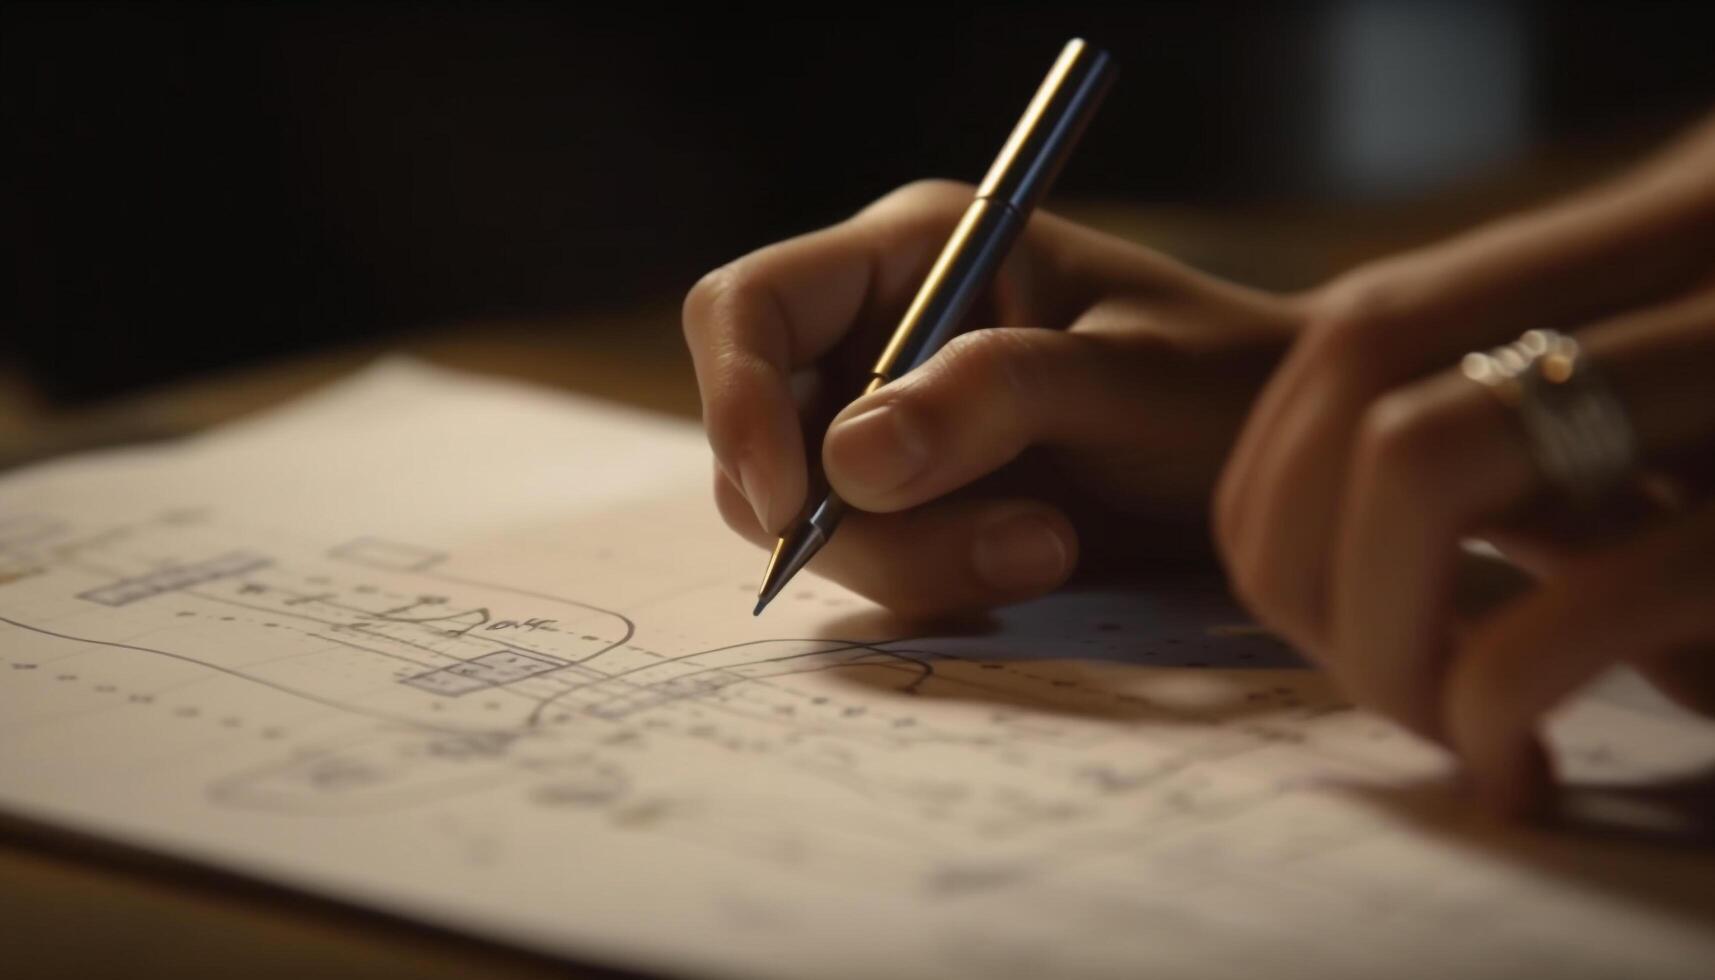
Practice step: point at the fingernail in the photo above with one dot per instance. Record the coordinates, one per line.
(756, 491)
(878, 451)
(1021, 554)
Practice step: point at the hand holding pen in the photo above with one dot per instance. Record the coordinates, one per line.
(1095, 378)
(1095, 402)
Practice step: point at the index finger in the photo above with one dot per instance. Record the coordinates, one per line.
(750, 323)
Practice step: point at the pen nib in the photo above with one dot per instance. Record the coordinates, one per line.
(791, 553)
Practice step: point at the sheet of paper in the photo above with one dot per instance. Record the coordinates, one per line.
(483, 656)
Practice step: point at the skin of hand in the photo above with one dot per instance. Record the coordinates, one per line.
(1368, 460)
(1085, 424)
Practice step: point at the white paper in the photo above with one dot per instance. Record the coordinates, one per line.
(483, 656)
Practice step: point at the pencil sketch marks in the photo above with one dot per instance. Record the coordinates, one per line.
(174, 579)
(387, 555)
(516, 693)
(444, 686)
(455, 727)
(489, 670)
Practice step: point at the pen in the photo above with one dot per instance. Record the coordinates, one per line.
(1016, 181)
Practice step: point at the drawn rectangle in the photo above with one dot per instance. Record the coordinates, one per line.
(172, 579)
(489, 670)
(447, 683)
(390, 555)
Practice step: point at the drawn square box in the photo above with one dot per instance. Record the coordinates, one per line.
(447, 683)
(389, 555)
(506, 666)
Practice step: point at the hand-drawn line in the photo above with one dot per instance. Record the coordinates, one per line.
(629, 631)
(682, 686)
(387, 555)
(332, 624)
(379, 653)
(480, 613)
(630, 627)
(497, 670)
(253, 607)
(422, 559)
(174, 579)
(361, 628)
(875, 649)
(874, 652)
(535, 716)
(372, 772)
(490, 645)
(468, 631)
(281, 688)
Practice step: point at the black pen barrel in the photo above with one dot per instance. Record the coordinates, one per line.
(1027, 165)
(1020, 176)
(1049, 129)
(963, 270)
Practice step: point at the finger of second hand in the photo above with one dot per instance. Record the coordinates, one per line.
(1430, 462)
(1435, 459)
(1237, 480)
(1655, 593)
(1388, 323)
(1282, 556)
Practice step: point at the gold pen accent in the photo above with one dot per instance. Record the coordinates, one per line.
(956, 248)
(1028, 162)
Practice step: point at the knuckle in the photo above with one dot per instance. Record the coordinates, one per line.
(990, 362)
(1352, 325)
(705, 299)
(928, 193)
(987, 354)
(1399, 440)
(1369, 295)
(733, 312)
(926, 207)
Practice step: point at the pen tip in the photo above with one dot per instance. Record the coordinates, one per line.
(791, 553)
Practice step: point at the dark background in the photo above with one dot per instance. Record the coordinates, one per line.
(192, 186)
